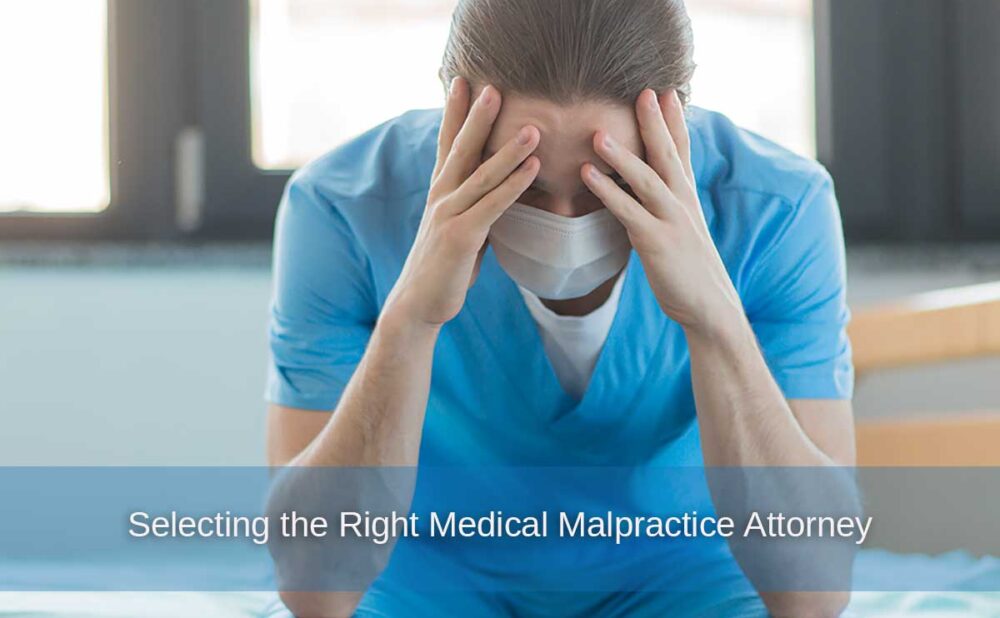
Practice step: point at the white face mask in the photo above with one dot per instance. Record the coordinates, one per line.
(559, 258)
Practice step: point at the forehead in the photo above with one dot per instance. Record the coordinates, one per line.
(567, 131)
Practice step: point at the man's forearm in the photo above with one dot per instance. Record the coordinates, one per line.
(373, 437)
(743, 416)
(746, 422)
(379, 421)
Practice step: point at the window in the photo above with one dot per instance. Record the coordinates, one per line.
(325, 71)
(181, 119)
(53, 113)
(322, 71)
(756, 64)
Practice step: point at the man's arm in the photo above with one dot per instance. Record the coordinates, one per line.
(380, 418)
(290, 431)
(744, 418)
(745, 421)
(378, 422)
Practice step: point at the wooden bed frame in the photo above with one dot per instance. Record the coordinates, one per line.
(929, 328)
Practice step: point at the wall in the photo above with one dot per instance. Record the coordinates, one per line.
(122, 365)
(159, 357)
(160, 360)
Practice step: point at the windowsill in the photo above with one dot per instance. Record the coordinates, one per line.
(134, 255)
(929, 257)
(982, 260)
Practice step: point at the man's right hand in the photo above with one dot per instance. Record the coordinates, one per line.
(467, 196)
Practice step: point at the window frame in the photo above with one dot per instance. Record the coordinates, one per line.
(899, 121)
(145, 38)
(241, 199)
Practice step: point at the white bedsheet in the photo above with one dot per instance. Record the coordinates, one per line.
(267, 605)
(140, 605)
(969, 586)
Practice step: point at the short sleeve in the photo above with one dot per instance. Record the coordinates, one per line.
(797, 301)
(323, 309)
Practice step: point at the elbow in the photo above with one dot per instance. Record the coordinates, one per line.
(807, 604)
(321, 604)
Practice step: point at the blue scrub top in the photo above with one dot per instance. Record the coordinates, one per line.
(345, 227)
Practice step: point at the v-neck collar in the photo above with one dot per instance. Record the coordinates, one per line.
(502, 319)
(628, 353)
(497, 312)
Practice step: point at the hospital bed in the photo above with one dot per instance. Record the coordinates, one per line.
(937, 327)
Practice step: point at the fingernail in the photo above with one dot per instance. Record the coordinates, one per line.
(524, 136)
(453, 86)
(487, 96)
(609, 143)
(654, 102)
(592, 173)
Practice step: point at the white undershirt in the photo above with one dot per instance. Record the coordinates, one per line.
(574, 343)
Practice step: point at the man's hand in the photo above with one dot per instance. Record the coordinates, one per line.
(466, 198)
(663, 216)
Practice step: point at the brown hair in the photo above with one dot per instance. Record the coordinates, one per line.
(571, 50)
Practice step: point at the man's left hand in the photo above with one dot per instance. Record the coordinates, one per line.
(663, 216)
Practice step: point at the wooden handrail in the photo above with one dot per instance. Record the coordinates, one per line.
(958, 440)
(937, 326)
(934, 327)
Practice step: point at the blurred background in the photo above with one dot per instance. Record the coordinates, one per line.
(144, 145)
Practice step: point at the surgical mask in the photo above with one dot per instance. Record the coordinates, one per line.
(559, 258)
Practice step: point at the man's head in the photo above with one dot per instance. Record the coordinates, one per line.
(570, 68)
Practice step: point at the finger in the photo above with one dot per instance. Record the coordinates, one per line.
(467, 151)
(622, 205)
(456, 110)
(485, 213)
(673, 114)
(661, 150)
(649, 187)
(493, 172)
